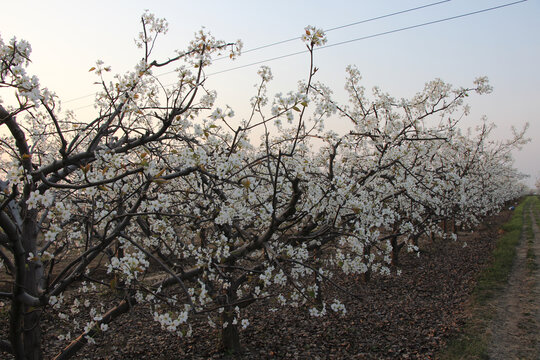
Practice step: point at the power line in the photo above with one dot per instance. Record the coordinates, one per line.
(423, 24)
(373, 36)
(345, 26)
(364, 38)
(299, 37)
(328, 30)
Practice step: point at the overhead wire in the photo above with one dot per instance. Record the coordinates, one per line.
(343, 26)
(372, 36)
(360, 38)
(298, 37)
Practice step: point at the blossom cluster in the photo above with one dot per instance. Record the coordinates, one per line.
(189, 215)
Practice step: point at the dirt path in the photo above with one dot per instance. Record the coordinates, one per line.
(515, 330)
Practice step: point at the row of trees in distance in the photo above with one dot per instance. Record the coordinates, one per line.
(170, 203)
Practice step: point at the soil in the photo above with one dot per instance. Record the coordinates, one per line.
(515, 329)
(410, 316)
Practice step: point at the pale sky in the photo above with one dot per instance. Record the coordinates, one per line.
(67, 38)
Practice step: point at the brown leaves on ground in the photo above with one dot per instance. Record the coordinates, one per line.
(407, 317)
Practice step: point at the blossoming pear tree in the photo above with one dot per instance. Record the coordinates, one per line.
(166, 202)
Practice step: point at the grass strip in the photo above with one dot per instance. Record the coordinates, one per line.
(534, 214)
(536, 209)
(473, 342)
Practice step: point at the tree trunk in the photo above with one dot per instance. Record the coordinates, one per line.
(454, 226)
(25, 329)
(230, 337)
(33, 285)
(318, 294)
(445, 225)
(32, 334)
(395, 250)
(367, 275)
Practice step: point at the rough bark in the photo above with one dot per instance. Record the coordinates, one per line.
(230, 337)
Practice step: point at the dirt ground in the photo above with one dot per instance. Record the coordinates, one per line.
(515, 329)
(410, 316)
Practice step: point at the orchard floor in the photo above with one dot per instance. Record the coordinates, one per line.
(410, 316)
(515, 329)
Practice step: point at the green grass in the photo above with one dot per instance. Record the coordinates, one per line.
(473, 342)
(494, 278)
(536, 209)
(532, 265)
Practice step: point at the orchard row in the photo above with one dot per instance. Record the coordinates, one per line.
(187, 214)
